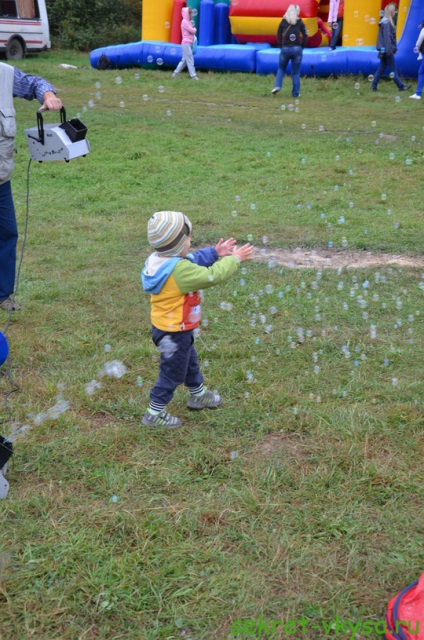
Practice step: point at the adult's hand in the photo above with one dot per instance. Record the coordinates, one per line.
(51, 102)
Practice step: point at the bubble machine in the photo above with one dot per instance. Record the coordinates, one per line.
(63, 141)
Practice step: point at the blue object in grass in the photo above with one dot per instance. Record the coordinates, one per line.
(4, 349)
(195, 46)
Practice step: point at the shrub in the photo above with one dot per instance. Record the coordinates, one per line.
(75, 24)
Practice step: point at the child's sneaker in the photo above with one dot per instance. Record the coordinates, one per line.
(208, 400)
(162, 419)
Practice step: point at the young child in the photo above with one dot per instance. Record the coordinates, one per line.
(173, 277)
(188, 33)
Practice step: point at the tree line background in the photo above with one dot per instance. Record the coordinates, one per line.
(82, 25)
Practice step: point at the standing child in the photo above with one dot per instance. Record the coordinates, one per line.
(188, 32)
(173, 277)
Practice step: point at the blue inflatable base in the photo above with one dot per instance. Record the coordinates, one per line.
(252, 57)
(152, 54)
(343, 60)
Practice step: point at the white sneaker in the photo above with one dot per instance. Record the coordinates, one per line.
(175, 75)
(415, 97)
(275, 90)
(194, 78)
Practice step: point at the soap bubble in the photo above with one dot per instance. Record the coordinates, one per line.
(115, 369)
(391, 75)
(139, 381)
(161, 89)
(145, 97)
(136, 75)
(334, 25)
(391, 156)
(292, 37)
(122, 104)
(167, 347)
(168, 112)
(159, 61)
(370, 78)
(167, 25)
(91, 387)
(283, 107)
(97, 85)
(397, 99)
(149, 59)
(118, 80)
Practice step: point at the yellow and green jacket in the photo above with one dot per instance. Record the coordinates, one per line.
(174, 283)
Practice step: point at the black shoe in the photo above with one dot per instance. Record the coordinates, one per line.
(406, 87)
(374, 89)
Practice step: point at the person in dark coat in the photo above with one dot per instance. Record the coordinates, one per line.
(387, 48)
(292, 37)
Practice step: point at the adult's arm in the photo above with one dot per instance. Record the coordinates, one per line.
(32, 87)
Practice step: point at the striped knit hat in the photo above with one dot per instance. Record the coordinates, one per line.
(167, 232)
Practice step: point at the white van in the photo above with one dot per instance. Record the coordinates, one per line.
(24, 27)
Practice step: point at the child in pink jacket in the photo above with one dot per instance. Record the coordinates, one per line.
(188, 34)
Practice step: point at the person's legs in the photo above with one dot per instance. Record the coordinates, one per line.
(296, 61)
(381, 69)
(282, 65)
(175, 351)
(188, 54)
(8, 240)
(420, 86)
(194, 378)
(335, 32)
(393, 70)
(182, 64)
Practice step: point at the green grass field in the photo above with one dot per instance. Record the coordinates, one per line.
(301, 497)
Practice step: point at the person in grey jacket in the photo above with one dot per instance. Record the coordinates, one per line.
(14, 83)
(387, 47)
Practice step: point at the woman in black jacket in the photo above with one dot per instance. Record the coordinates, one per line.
(387, 47)
(292, 37)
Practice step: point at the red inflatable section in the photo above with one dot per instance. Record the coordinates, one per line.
(243, 12)
(175, 36)
(272, 8)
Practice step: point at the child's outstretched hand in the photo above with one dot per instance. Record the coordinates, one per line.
(225, 248)
(244, 253)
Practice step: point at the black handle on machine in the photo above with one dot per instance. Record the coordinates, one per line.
(40, 123)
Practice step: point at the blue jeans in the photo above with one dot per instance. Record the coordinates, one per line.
(335, 33)
(8, 240)
(420, 79)
(387, 61)
(182, 367)
(295, 55)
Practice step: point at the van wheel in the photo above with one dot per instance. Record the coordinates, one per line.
(14, 50)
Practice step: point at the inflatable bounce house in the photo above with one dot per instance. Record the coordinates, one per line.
(241, 36)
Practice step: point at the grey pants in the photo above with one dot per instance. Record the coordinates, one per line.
(187, 61)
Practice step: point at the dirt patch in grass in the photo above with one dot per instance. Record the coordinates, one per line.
(333, 259)
(279, 442)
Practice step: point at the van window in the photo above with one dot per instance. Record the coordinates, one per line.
(8, 9)
(28, 8)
